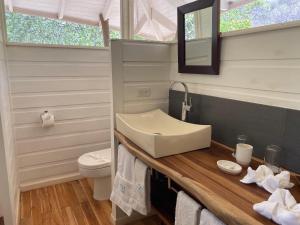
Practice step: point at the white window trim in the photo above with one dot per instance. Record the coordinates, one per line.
(55, 46)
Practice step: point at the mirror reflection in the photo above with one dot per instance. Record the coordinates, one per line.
(198, 37)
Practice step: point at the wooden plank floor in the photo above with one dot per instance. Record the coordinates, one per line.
(69, 203)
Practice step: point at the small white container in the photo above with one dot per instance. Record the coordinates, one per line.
(243, 154)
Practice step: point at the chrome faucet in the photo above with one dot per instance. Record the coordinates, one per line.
(186, 106)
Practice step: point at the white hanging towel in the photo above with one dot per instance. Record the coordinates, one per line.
(140, 200)
(207, 218)
(187, 210)
(123, 187)
(281, 207)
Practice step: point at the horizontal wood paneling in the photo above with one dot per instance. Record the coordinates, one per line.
(276, 44)
(23, 116)
(63, 85)
(58, 69)
(55, 169)
(145, 52)
(61, 154)
(140, 71)
(261, 67)
(144, 106)
(65, 127)
(143, 65)
(257, 75)
(44, 100)
(74, 85)
(159, 90)
(44, 54)
(60, 141)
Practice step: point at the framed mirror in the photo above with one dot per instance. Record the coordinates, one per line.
(198, 37)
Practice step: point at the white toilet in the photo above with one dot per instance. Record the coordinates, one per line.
(96, 165)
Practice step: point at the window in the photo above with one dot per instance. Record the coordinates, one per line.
(39, 30)
(153, 19)
(244, 14)
(190, 29)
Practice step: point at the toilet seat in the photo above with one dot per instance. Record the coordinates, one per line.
(95, 160)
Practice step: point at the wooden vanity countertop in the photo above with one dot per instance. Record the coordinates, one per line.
(197, 173)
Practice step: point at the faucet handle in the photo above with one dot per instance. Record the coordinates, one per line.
(188, 105)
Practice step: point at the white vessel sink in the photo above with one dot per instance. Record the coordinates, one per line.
(161, 135)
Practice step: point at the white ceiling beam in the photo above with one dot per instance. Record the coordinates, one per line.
(106, 12)
(164, 21)
(61, 10)
(10, 5)
(148, 12)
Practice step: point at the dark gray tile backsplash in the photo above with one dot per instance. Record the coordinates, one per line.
(262, 124)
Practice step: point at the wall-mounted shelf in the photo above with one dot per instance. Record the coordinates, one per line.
(197, 173)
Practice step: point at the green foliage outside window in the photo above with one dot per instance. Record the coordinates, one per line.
(238, 18)
(189, 24)
(39, 30)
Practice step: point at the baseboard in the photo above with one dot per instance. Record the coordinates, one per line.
(49, 181)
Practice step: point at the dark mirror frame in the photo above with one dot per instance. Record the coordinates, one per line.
(213, 69)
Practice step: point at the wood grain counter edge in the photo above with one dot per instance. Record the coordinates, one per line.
(223, 209)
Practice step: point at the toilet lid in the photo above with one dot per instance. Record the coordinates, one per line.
(95, 160)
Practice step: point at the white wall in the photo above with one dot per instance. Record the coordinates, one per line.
(74, 85)
(9, 196)
(261, 67)
(138, 67)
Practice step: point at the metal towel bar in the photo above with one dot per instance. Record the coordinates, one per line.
(170, 186)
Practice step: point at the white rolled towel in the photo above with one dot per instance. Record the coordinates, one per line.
(281, 207)
(264, 177)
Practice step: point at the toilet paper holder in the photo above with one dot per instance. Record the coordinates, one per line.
(47, 119)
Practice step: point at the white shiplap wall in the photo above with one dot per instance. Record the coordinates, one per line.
(262, 67)
(74, 85)
(9, 183)
(143, 65)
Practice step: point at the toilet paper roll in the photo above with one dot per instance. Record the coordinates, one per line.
(47, 119)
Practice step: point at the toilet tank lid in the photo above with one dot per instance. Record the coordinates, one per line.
(96, 159)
